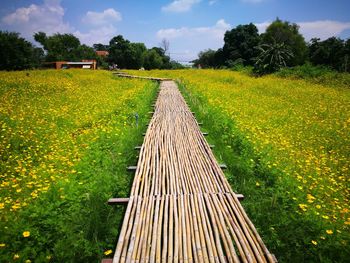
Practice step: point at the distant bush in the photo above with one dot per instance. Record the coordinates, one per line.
(316, 74)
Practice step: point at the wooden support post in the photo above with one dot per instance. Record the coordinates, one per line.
(131, 168)
(212, 146)
(205, 133)
(137, 147)
(223, 166)
(200, 123)
(107, 260)
(240, 197)
(117, 201)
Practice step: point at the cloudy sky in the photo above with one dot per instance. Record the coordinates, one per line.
(189, 25)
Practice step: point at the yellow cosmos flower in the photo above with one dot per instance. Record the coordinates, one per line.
(108, 252)
(26, 234)
(329, 232)
(2, 244)
(314, 242)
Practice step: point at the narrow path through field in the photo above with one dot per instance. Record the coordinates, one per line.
(181, 207)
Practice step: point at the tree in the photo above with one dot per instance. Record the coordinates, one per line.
(332, 52)
(59, 46)
(206, 59)
(346, 64)
(126, 54)
(153, 60)
(272, 57)
(16, 53)
(240, 45)
(100, 47)
(283, 32)
(165, 44)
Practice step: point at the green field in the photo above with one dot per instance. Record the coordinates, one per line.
(67, 136)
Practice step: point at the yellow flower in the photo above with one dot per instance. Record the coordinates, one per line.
(28, 261)
(2, 244)
(329, 232)
(314, 242)
(108, 252)
(257, 184)
(303, 207)
(16, 256)
(26, 234)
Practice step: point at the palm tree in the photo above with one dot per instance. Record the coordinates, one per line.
(272, 57)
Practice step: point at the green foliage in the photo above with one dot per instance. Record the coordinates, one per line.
(129, 55)
(316, 74)
(153, 60)
(272, 58)
(333, 52)
(240, 45)
(175, 65)
(16, 53)
(284, 32)
(206, 59)
(64, 47)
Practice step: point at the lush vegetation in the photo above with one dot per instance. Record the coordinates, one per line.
(66, 138)
(286, 144)
(280, 46)
(17, 54)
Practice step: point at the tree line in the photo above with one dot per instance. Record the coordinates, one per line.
(16, 53)
(280, 46)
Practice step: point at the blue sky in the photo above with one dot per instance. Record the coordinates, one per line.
(189, 25)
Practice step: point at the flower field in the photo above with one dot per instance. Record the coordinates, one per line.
(299, 130)
(67, 136)
(49, 123)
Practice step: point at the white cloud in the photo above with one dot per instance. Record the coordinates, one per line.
(190, 40)
(212, 2)
(179, 6)
(47, 17)
(108, 16)
(322, 29)
(262, 26)
(99, 35)
(215, 32)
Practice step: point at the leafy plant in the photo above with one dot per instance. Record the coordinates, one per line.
(272, 57)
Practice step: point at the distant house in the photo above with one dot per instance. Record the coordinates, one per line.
(102, 53)
(84, 64)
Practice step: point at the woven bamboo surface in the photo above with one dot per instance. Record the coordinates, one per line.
(181, 207)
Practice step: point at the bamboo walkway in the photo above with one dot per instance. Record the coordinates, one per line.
(181, 207)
